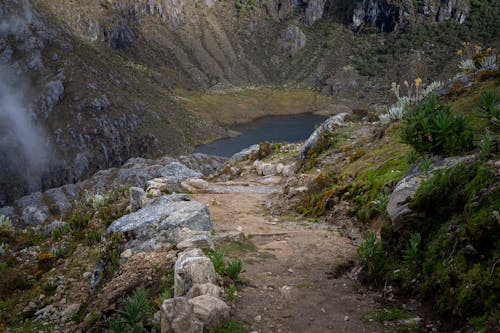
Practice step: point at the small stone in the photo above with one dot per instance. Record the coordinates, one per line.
(86, 275)
(258, 318)
(239, 228)
(346, 318)
(126, 254)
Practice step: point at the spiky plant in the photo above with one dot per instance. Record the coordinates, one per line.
(234, 269)
(5, 222)
(489, 103)
(467, 65)
(131, 319)
(488, 63)
(217, 258)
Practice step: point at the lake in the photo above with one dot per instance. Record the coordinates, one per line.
(272, 128)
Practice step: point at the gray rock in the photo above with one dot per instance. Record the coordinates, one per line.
(206, 164)
(210, 310)
(295, 40)
(268, 169)
(119, 36)
(61, 200)
(328, 125)
(397, 207)
(204, 289)
(8, 211)
(70, 310)
(177, 316)
(228, 236)
(203, 241)
(192, 267)
(158, 222)
(49, 228)
(33, 210)
(194, 185)
(245, 153)
(314, 11)
(289, 170)
(53, 94)
(137, 195)
(179, 171)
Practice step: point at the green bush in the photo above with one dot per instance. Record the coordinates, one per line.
(371, 254)
(450, 256)
(432, 128)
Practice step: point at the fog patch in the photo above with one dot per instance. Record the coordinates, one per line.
(23, 148)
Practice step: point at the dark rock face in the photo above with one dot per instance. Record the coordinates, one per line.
(119, 37)
(314, 11)
(389, 16)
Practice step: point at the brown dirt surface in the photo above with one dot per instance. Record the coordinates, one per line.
(290, 282)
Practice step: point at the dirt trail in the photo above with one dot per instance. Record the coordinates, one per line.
(290, 263)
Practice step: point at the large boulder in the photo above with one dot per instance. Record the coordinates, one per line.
(33, 210)
(183, 315)
(158, 223)
(192, 267)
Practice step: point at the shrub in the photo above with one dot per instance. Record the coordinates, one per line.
(450, 257)
(370, 254)
(432, 128)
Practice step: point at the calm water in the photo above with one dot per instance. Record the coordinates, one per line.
(273, 129)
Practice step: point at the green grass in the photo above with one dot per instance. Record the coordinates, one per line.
(233, 107)
(388, 314)
(231, 327)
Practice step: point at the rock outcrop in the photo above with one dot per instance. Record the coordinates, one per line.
(314, 11)
(327, 126)
(295, 40)
(137, 173)
(158, 224)
(397, 207)
(389, 16)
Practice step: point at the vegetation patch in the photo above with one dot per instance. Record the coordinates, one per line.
(451, 256)
(229, 108)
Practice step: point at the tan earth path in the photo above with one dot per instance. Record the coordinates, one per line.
(289, 261)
